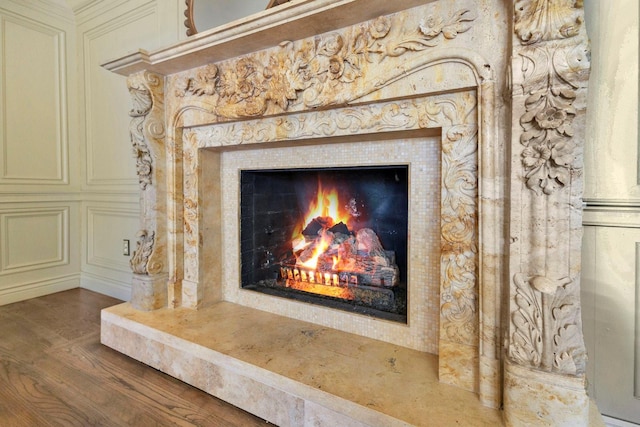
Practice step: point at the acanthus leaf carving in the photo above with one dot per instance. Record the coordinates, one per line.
(526, 340)
(459, 251)
(147, 121)
(142, 104)
(144, 247)
(314, 71)
(545, 333)
(414, 114)
(543, 20)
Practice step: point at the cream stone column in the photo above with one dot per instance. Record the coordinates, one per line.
(147, 130)
(545, 362)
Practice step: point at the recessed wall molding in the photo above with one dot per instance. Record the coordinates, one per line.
(45, 7)
(103, 248)
(612, 216)
(34, 239)
(39, 197)
(34, 67)
(104, 145)
(86, 10)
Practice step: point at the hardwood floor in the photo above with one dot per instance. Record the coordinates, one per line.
(55, 372)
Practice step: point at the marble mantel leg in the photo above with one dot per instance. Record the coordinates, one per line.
(544, 376)
(147, 130)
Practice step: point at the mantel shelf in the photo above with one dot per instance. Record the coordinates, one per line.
(291, 21)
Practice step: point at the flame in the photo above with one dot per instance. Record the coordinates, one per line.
(320, 248)
(326, 205)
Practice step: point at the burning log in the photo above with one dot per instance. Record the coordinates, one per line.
(369, 244)
(316, 225)
(360, 256)
(340, 228)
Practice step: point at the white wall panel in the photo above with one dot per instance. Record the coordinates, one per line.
(612, 217)
(40, 248)
(104, 267)
(34, 239)
(611, 292)
(611, 152)
(109, 159)
(106, 230)
(34, 110)
(109, 29)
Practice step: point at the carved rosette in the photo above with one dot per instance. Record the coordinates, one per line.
(547, 123)
(314, 73)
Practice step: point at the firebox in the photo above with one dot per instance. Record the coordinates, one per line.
(330, 236)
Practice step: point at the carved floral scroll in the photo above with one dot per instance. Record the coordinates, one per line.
(550, 84)
(142, 104)
(553, 70)
(314, 74)
(147, 130)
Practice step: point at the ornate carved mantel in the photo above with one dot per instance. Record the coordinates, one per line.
(550, 72)
(510, 227)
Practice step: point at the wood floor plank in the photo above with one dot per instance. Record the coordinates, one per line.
(32, 391)
(55, 372)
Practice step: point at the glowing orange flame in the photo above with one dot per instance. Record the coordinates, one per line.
(326, 204)
(320, 248)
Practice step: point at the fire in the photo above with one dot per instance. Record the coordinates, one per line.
(319, 249)
(326, 206)
(333, 256)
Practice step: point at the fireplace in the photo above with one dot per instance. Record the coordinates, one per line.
(409, 98)
(375, 162)
(327, 236)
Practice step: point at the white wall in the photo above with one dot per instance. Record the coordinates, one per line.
(39, 144)
(611, 246)
(68, 189)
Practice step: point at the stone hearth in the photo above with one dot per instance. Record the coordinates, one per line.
(490, 125)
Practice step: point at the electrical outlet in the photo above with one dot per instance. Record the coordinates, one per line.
(126, 250)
